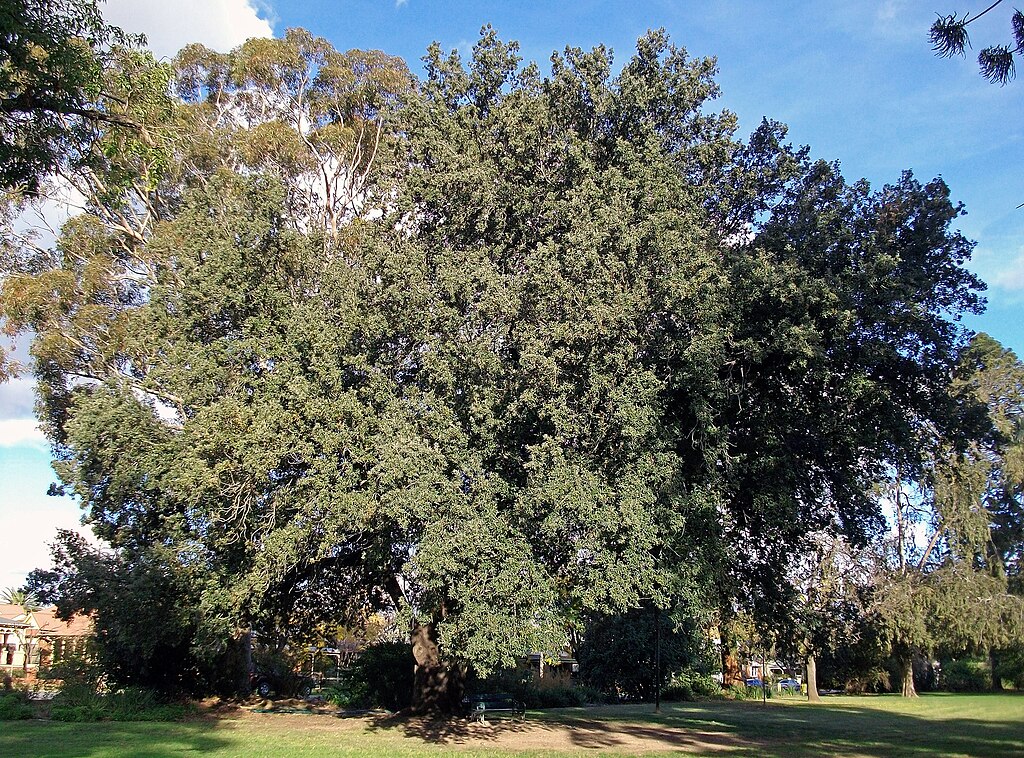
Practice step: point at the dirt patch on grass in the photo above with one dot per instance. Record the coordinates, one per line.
(570, 734)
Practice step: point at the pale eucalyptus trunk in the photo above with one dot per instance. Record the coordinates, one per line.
(812, 679)
(907, 677)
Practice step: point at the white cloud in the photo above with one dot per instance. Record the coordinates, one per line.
(1012, 277)
(400, 3)
(172, 24)
(20, 432)
(16, 398)
(29, 547)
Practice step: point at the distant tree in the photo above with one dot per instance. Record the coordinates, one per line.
(944, 585)
(146, 608)
(830, 577)
(949, 37)
(994, 375)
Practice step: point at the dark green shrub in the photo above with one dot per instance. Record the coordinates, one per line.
(77, 693)
(78, 703)
(522, 684)
(591, 695)
(965, 675)
(618, 653)
(678, 691)
(1010, 666)
(15, 706)
(79, 675)
(742, 692)
(688, 685)
(78, 713)
(560, 696)
(381, 677)
(142, 704)
(131, 701)
(347, 693)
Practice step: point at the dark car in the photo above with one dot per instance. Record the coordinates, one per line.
(266, 682)
(789, 685)
(754, 682)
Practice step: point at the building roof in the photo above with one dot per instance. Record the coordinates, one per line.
(11, 623)
(44, 622)
(50, 626)
(12, 611)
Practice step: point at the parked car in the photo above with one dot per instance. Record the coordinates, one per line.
(789, 685)
(754, 682)
(265, 682)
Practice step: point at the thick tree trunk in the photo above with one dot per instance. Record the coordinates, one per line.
(438, 686)
(812, 679)
(907, 675)
(993, 666)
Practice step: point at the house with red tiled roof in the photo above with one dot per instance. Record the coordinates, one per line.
(30, 639)
(12, 639)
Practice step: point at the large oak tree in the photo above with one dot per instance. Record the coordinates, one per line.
(494, 351)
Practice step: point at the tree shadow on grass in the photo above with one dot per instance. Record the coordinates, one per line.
(566, 732)
(610, 735)
(734, 728)
(846, 730)
(51, 739)
(447, 731)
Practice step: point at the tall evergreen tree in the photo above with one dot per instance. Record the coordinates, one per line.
(497, 352)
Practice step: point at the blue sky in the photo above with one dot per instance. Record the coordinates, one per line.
(854, 80)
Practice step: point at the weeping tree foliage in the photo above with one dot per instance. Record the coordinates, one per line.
(957, 533)
(495, 352)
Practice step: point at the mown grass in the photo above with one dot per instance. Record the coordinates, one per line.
(935, 724)
(946, 725)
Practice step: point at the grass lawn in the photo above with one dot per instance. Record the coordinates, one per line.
(940, 724)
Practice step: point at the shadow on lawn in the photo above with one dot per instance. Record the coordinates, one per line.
(844, 730)
(50, 739)
(580, 732)
(609, 735)
(741, 729)
(447, 731)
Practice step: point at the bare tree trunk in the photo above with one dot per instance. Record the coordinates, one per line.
(812, 679)
(438, 687)
(907, 675)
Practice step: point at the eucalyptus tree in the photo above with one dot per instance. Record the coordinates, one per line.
(297, 109)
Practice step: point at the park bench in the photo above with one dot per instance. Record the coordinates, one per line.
(479, 707)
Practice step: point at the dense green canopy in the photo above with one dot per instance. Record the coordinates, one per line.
(494, 350)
